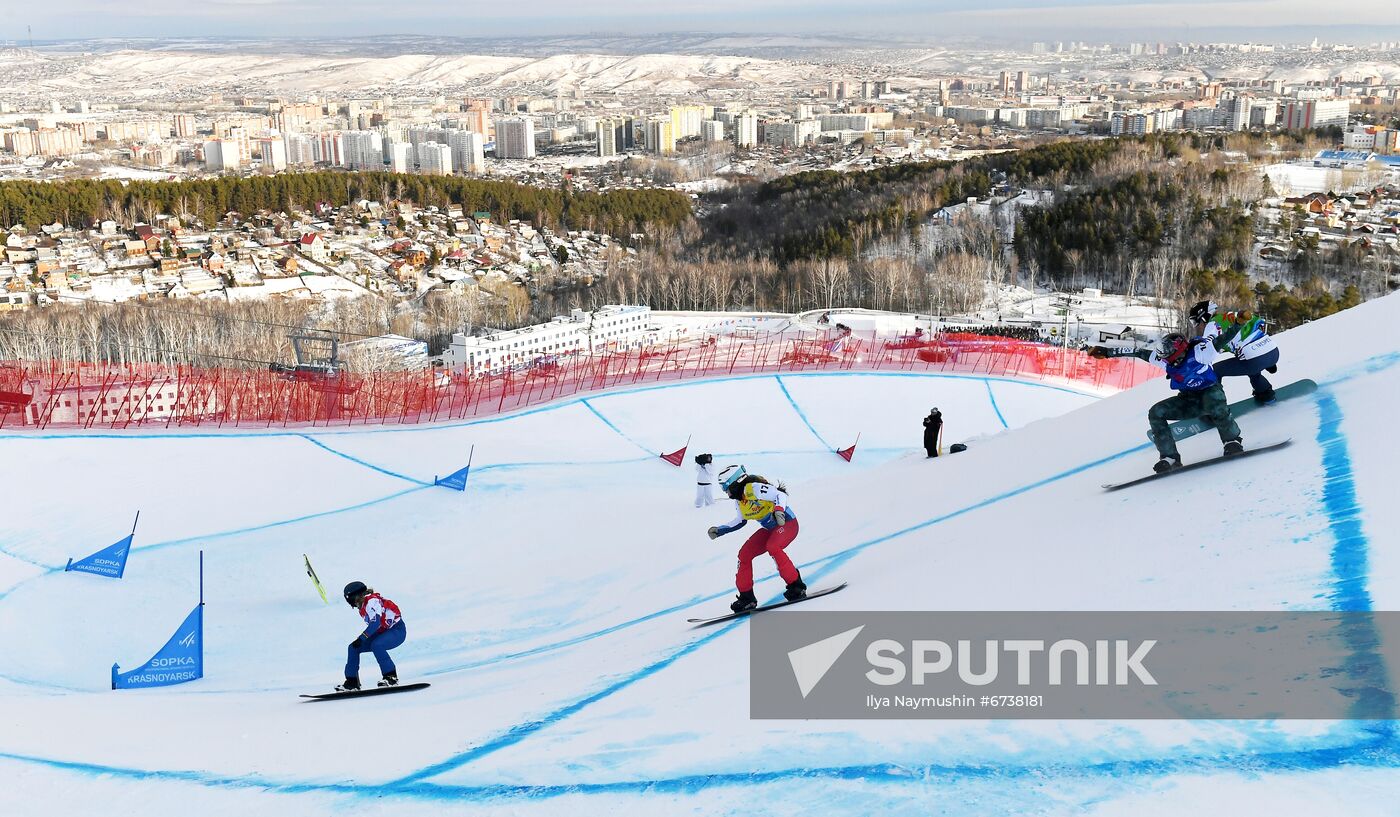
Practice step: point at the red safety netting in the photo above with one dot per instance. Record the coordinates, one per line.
(112, 396)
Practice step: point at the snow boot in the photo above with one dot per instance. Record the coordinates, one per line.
(746, 601)
(1265, 398)
(390, 679)
(796, 590)
(1235, 447)
(1166, 464)
(350, 685)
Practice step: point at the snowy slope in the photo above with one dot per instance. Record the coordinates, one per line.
(143, 71)
(546, 603)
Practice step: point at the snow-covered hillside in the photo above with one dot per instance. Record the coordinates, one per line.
(664, 66)
(148, 71)
(546, 604)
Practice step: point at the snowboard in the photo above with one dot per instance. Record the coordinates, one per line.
(360, 693)
(1181, 429)
(705, 622)
(1249, 452)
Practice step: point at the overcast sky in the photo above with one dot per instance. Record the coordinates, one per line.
(928, 19)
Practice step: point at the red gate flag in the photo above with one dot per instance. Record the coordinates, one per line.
(677, 457)
(847, 453)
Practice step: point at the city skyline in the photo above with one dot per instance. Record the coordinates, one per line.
(931, 20)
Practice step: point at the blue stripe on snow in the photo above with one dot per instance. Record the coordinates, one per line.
(801, 414)
(358, 461)
(235, 532)
(992, 397)
(1350, 562)
(521, 731)
(620, 432)
(1349, 551)
(1375, 750)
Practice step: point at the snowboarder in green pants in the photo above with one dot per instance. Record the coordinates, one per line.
(1198, 394)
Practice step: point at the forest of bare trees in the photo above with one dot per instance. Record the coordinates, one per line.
(245, 334)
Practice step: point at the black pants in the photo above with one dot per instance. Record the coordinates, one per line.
(1254, 368)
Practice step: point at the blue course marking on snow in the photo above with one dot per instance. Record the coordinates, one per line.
(801, 415)
(22, 558)
(578, 639)
(1376, 751)
(1349, 551)
(992, 397)
(358, 461)
(1350, 563)
(609, 424)
(1371, 365)
(521, 731)
(203, 537)
(49, 569)
(513, 466)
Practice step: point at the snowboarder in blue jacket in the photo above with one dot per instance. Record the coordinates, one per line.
(1198, 394)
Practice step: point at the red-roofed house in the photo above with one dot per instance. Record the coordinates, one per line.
(315, 247)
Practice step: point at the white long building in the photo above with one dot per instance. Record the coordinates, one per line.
(611, 328)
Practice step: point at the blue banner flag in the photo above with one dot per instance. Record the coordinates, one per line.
(457, 480)
(109, 561)
(180, 660)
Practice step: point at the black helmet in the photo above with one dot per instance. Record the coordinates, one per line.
(353, 591)
(1174, 348)
(703, 459)
(1203, 311)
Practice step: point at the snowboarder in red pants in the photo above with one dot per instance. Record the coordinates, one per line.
(766, 504)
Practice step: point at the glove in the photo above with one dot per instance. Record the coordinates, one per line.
(358, 642)
(714, 533)
(779, 516)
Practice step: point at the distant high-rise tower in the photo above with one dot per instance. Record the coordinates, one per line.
(607, 138)
(400, 156)
(746, 130)
(183, 126)
(222, 154)
(468, 151)
(660, 137)
(364, 150)
(515, 138)
(435, 158)
(273, 152)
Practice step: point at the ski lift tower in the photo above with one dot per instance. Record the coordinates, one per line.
(317, 354)
(1064, 302)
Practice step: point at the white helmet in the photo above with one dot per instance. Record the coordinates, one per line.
(730, 475)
